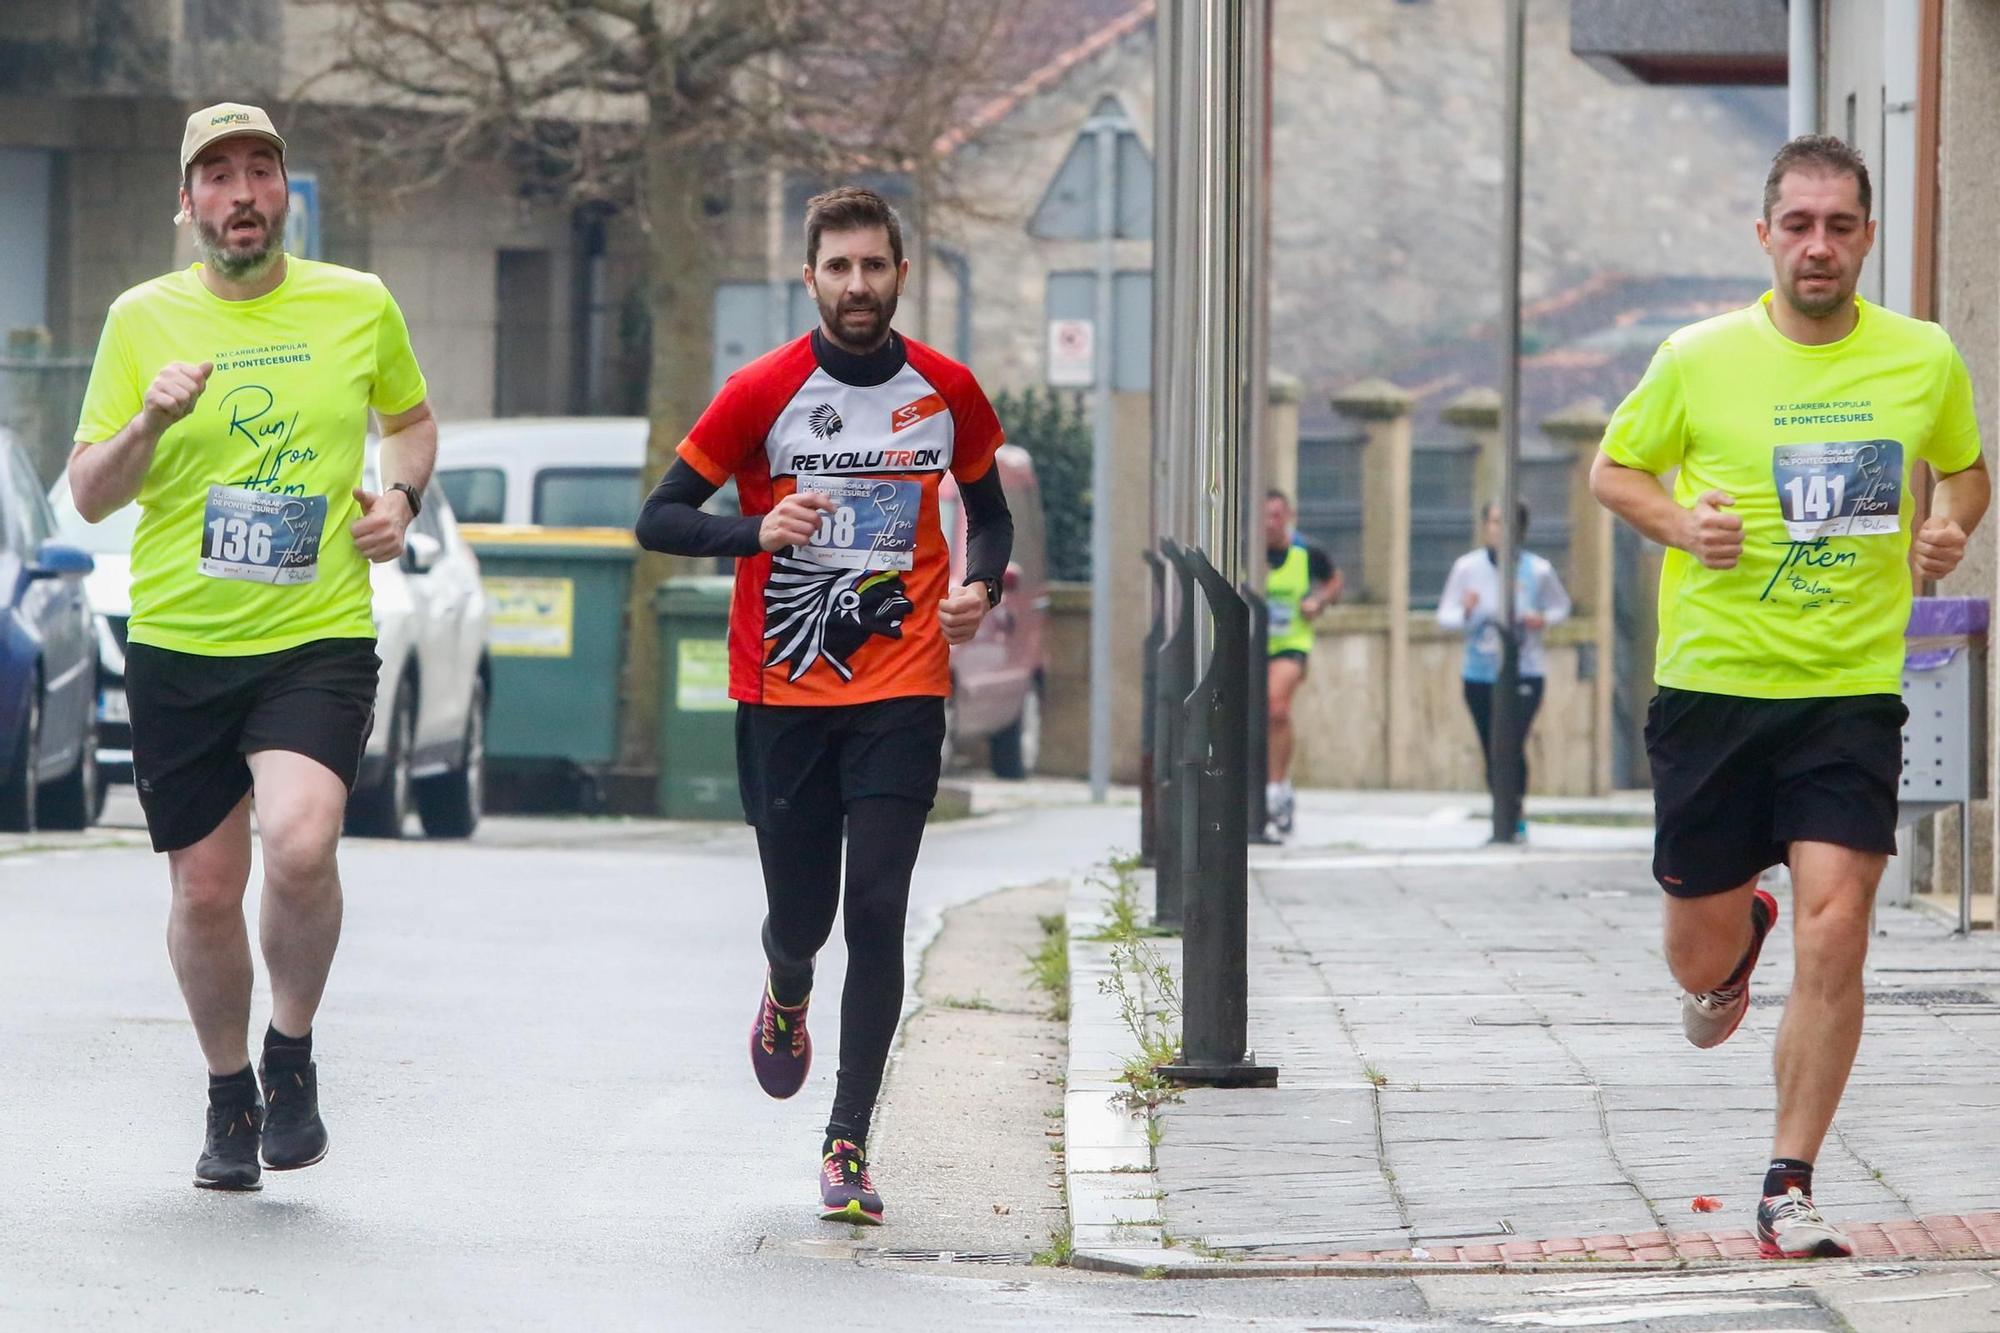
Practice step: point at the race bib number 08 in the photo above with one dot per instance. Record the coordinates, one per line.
(873, 524)
(1839, 490)
(260, 538)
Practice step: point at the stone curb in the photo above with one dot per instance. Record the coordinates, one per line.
(1108, 1178)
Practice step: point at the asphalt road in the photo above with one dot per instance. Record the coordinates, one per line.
(532, 1062)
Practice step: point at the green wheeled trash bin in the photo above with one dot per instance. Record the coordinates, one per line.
(555, 602)
(697, 716)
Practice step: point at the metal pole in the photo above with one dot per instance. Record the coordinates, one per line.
(1802, 68)
(1504, 758)
(1106, 129)
(1166, 266)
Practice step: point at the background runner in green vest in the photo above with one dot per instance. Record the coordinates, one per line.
(1302, 579)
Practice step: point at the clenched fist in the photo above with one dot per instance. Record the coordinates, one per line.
(1939, 546)
(961, 611)
(174, 392)
(379, 532)
(793, 520)
(1711, 534)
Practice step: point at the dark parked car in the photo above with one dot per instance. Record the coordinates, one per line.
(48, 663)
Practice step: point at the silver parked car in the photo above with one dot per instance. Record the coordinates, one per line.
(427, 753)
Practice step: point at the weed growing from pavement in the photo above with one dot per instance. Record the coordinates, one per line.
(1048, 965)
(977, 1001)
(1060, 1248)
(1148, 995)
(1149, 1003)
(1375, 1076)
(1124, 917)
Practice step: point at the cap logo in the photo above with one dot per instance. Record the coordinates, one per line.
(230, 118)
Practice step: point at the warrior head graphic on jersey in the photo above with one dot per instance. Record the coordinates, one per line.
(813, 613)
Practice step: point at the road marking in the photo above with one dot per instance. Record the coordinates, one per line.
(1909, 1297)
(1692, 1284)
(1602, 1316)
(1467, 857)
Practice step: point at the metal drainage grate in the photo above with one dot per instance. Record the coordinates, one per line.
(1953, 996)
(946, 1257)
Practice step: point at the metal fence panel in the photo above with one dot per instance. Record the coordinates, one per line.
(1329, 501)
(1441, 514)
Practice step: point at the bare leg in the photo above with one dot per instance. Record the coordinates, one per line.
(207, 941)
(1707, 937)
(300, 803)
(1832, 891)
(1282, 680)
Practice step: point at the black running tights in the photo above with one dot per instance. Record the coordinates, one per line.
(802, 888)
(1479, 701)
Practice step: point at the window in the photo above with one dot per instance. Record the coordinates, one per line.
(588, 497)
(477, 494)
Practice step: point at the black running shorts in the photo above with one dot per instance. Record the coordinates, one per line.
(806, 762)
(194, 718)
(1736, 781)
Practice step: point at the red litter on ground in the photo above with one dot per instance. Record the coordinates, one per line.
(1706, 1203)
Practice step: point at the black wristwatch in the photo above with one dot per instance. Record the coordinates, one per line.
(992, 587)
(410, 494)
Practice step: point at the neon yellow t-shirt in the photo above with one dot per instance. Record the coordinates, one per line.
(243, 544)
(1816, 445)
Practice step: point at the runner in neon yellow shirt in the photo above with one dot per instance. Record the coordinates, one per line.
(231, 401)
(1301, 580)
(1791, 428)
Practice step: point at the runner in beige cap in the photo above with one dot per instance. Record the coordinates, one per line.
(231, 400)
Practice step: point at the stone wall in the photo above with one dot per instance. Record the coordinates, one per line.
(1341, 712)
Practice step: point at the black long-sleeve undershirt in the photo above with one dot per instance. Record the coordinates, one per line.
(673, 522)
(989, 527)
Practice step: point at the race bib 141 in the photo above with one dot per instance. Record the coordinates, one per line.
(1853, 489)
(261, 538)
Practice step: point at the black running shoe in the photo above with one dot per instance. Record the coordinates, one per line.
(229, 1157)
(294, 1135)
(846, 1194)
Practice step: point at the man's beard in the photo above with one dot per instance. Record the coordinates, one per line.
(1818, 308)
(234, 264)
(871, 335)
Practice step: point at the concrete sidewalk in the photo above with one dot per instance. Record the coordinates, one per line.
(1481, 1063)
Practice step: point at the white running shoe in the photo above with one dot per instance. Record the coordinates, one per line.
(1789, 1227)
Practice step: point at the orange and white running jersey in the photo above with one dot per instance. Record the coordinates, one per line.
(851, 616)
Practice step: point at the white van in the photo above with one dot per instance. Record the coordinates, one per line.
(551, 472)
(557, 472)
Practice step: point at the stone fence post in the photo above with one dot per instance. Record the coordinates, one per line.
(1383, 413)
(1477, 413)
(1592, 565)
(1281, 438)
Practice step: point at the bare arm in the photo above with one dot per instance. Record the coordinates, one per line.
(409, 452)
(105, 476)
(1957, 504)
(409, 447)
(1705, 530)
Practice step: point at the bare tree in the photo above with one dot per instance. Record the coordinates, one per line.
(652, 106)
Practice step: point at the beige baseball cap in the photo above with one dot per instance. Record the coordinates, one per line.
(225, 120)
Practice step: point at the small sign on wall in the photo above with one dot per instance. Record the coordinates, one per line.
(1072, 353)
